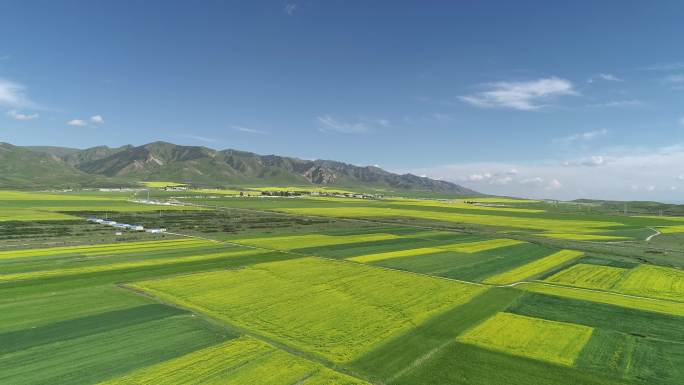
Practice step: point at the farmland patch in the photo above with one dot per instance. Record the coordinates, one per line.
(335, 309)
(534, 268)
(551, 341)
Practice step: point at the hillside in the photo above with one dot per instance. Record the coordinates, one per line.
(202, 165)
(24, 168)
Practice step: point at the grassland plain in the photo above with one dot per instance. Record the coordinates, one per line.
(534, 268)
(537, 338)
(589, 276)
(406, 352)
(337, 310)
(245, 360)
(617, 299)
(473, 267)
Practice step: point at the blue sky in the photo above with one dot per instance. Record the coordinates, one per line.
(570, 99)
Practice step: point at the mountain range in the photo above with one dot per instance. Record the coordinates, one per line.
(102, 166)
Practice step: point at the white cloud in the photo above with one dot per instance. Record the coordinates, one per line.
(554, 184)
(16, 115)
(532, 181)
(610, 78)
(77, 123)
(97, 119)
(290, 8)
(618, 173)
(327, 123)
(247, 130)
(13, 95)
(524, 96)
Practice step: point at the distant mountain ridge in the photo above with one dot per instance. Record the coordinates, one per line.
(40, 165)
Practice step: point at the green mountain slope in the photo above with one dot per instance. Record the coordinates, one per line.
(38, 166)
(24, 168)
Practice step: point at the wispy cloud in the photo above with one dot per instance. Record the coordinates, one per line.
(248, 130)
(606, 77)
(77, 123)
(290, 8)
(672, 66)
(679, 78)
(5, 57)
(97, 119)
(525, 96)
(13, 95)
(16, 115)
(582, 136)
(681, 121)
(620, 104)
(196, 138)
(676, 81)
(328, 123)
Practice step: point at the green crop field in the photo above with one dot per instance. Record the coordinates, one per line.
(314, 290)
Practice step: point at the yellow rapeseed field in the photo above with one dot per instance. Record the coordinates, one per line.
(556, 342)
(312, 240)
(241, 361)
(475, 247)
(616, 299)
(654, 281)
(589, 276)
(534, 268)
(335, 309)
